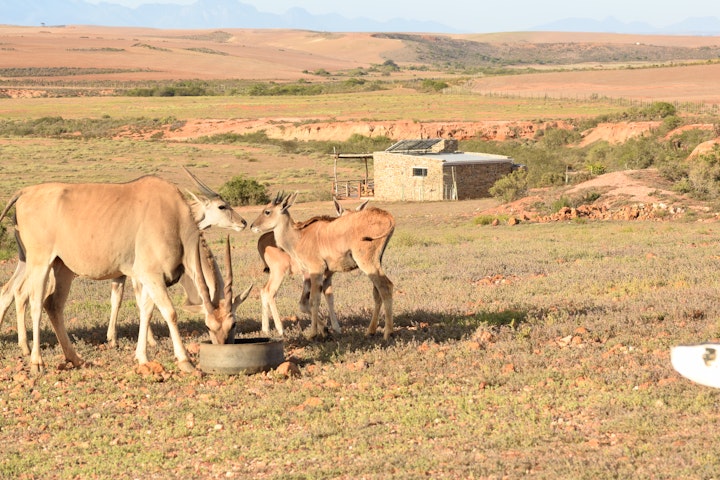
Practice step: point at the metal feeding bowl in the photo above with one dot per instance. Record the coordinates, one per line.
(246, 355)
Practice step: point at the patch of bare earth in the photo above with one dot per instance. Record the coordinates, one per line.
(616, 133)
(624, 195)
(295, 129)
(689, 83)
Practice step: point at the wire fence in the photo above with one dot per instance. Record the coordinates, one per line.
(698, 107)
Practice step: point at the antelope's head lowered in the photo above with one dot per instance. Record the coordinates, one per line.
(220, 314)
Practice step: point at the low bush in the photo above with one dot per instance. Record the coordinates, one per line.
(490, 219)
(511, 187)
(244, 191)
(703, 176)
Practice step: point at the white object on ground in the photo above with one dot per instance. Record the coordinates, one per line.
(699, 363)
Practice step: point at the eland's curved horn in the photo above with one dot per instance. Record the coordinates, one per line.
(203, 188)
(200, 282)
(228, 272)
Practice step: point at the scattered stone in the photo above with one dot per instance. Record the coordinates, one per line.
(358, 366)
(288, 369)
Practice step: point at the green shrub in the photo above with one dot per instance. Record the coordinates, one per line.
(658, 110)
(243, 191)
(560, 203)
(433, 85)
(670, 123)
(588, 198)
(489, 219)
(259, 137)
(274, 89)
(557, 137)
(596, 168)
(703, 178)
(511, 187)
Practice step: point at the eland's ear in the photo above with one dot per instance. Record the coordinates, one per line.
(362, 205)
(240, 298)
(339, 210)
(195, 197)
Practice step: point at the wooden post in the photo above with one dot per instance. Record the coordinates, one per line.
(335, 154)
(366, 176)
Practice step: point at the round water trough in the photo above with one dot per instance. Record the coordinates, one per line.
(246, 355)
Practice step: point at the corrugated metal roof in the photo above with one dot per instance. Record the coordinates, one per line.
(468, 157)
(459, 158)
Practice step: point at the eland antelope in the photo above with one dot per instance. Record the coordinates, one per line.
(142, 229)
(279, 264)
(344, 244)
(208, 209)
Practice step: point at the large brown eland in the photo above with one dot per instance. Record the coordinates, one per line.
(142, 229)
(208, 209)
(344, 244)
(279, 264)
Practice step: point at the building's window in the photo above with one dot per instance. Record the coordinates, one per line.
(419, 172)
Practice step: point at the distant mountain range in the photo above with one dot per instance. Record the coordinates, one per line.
(705, 26)
(205, 14)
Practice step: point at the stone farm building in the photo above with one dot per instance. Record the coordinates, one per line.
(433, 169)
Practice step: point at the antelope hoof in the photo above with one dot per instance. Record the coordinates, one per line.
(37, 369)
(316, 336)
(186, 366)
(68, 365)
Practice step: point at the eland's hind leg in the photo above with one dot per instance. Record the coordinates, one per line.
(55, 305)
(157, 291)
(268, 295)
(330, 300)
(21, 303)
(382, 295)
(116, 295)
(316, 286)
(145, 305)
(12, 291)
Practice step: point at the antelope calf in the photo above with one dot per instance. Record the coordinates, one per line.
(279, 264)
(321, 248)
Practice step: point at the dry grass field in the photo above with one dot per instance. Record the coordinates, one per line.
(538, 350)
(284, 55)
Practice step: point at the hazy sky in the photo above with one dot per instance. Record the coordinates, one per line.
(483, 15)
